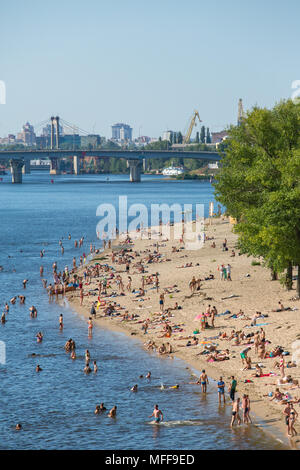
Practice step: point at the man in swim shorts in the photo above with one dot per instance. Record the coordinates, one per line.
(203, 380)
(235, 412)
(157, 413)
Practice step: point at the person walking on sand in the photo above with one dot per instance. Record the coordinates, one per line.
(228, 272)
(243, 354)
(281, 365)
(158, 414)
(221, 390)
(203, 321)
(256, 341)
(213, 314)
(235, 413)
(162, 301)
(156, 282)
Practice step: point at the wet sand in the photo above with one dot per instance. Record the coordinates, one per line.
(251, 289)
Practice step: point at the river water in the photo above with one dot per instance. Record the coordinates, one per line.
(56, 406)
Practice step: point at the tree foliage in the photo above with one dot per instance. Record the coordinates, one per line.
(259, 183)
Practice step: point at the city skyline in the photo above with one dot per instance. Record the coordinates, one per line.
(179, 57)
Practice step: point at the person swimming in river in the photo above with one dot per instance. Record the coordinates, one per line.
(113, 412)
(87, 369)
(39, 337)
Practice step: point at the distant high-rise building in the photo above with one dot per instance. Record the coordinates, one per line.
(121, 132)
(71, 140)
(43, 141)
(169, 135)
(27, 135)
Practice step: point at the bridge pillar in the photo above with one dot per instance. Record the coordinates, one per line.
(54, 166)
(26, 167)
(76, 165)
(135, 170)
(16, 171)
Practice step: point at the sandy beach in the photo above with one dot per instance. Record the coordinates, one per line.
(249, 291)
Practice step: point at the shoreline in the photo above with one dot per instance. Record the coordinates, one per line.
(276, 432)
(267, 417)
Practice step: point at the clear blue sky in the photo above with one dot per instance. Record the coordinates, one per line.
(146, 63)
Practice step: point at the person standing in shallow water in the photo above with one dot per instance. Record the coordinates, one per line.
(235, 413)
(158, 414)
(232, 388)
(203, 380)
(221, 390)
(90, 326)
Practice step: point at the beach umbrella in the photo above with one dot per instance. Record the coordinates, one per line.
(198, 317)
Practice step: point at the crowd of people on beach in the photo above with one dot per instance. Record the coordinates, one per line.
(100, 287)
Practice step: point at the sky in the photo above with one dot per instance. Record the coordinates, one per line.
(146, 63)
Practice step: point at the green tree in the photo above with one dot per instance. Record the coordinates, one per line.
(259, 183)
(208, 136)
(202, 135)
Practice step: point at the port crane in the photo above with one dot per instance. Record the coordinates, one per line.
(191, 127)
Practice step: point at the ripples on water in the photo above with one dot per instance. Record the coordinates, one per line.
(56, 406)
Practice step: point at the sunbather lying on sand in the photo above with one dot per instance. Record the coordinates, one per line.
(281, 308)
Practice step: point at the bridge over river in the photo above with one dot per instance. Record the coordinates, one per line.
(19, 160)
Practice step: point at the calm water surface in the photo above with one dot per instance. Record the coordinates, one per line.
(56, 407)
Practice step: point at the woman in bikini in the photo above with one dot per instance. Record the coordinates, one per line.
(292, 418)
(90, 327)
